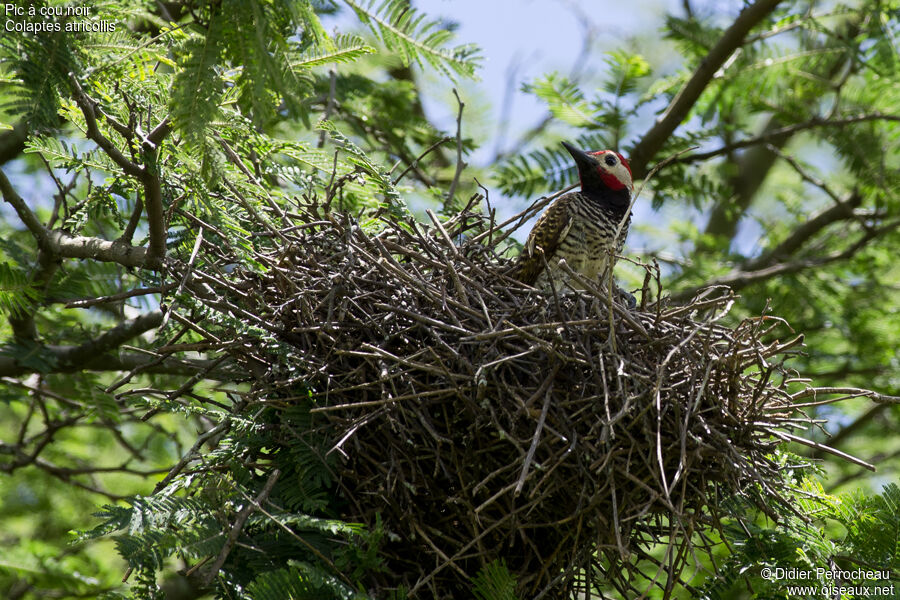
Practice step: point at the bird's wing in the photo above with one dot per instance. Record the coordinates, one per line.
(548, 233)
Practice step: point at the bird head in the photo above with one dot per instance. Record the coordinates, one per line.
(602, 171)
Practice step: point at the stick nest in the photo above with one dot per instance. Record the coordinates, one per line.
(481, 420)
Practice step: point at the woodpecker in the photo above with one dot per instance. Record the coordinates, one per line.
(580, 227)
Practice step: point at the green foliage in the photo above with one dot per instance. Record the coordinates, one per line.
(810, 554)
(268, 107)
(16, 292)
(344, 49)
(39, 74)
(324, 555)
(239, 82)
(298, 582)
(407, 31)
(198, 90)
(494, 582)
(603, 119)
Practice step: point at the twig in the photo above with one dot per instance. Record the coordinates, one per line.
(235, 531)
(330, 103)
(776, 134)
(534, 440)
(415, 163)
(460, 165)
(822, 447)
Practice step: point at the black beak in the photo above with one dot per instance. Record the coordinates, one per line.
(585, 162)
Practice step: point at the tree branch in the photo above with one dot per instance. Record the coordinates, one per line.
(147, 174)
(28, 218)
(678, 109)
(110, 362)
(460, 165)
(849, 391)
(741, 278)
(160, 132)
(88, 302)
(777, 133)
(803, 233)
(156, 220)
(87, 106)
(752, 167)
(857, 424)
(22, 321)
(98, 354)
(65, 245)
(239, 522)
(113, 338)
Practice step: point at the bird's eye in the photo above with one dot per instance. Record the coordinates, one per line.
(610, 160)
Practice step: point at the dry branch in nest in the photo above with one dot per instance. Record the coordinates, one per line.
(481, 419)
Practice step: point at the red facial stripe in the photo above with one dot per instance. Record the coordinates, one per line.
(611, 181)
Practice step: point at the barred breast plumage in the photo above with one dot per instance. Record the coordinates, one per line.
(581, 226)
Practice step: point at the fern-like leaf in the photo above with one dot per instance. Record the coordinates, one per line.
(41, 75)
(563, 98)
(345, 48)
(404, 30)
(16, 292)
(494, 582)
(198, 90)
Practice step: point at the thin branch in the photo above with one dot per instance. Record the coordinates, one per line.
(88, 302)
(156, 221)
(110, 362)
(87, 106)
(822, 447)
(330, 103)
(133, 221)
(804, 232)
(856, 425)
(741, 278)
(239, 522)
(116, 336)
(415, 163)
(776, 134)
(804, 174)
(460, 165)
(22, 322)
(851, 391)
(28, 218)
(526, 464)
(191, 453)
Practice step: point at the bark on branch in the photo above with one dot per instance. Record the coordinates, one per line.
(742, 277)
(775, 134)
(803, 233)
(64, 245)
(147, 174)
(108, 362)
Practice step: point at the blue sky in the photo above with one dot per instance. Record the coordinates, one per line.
(535, 37)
